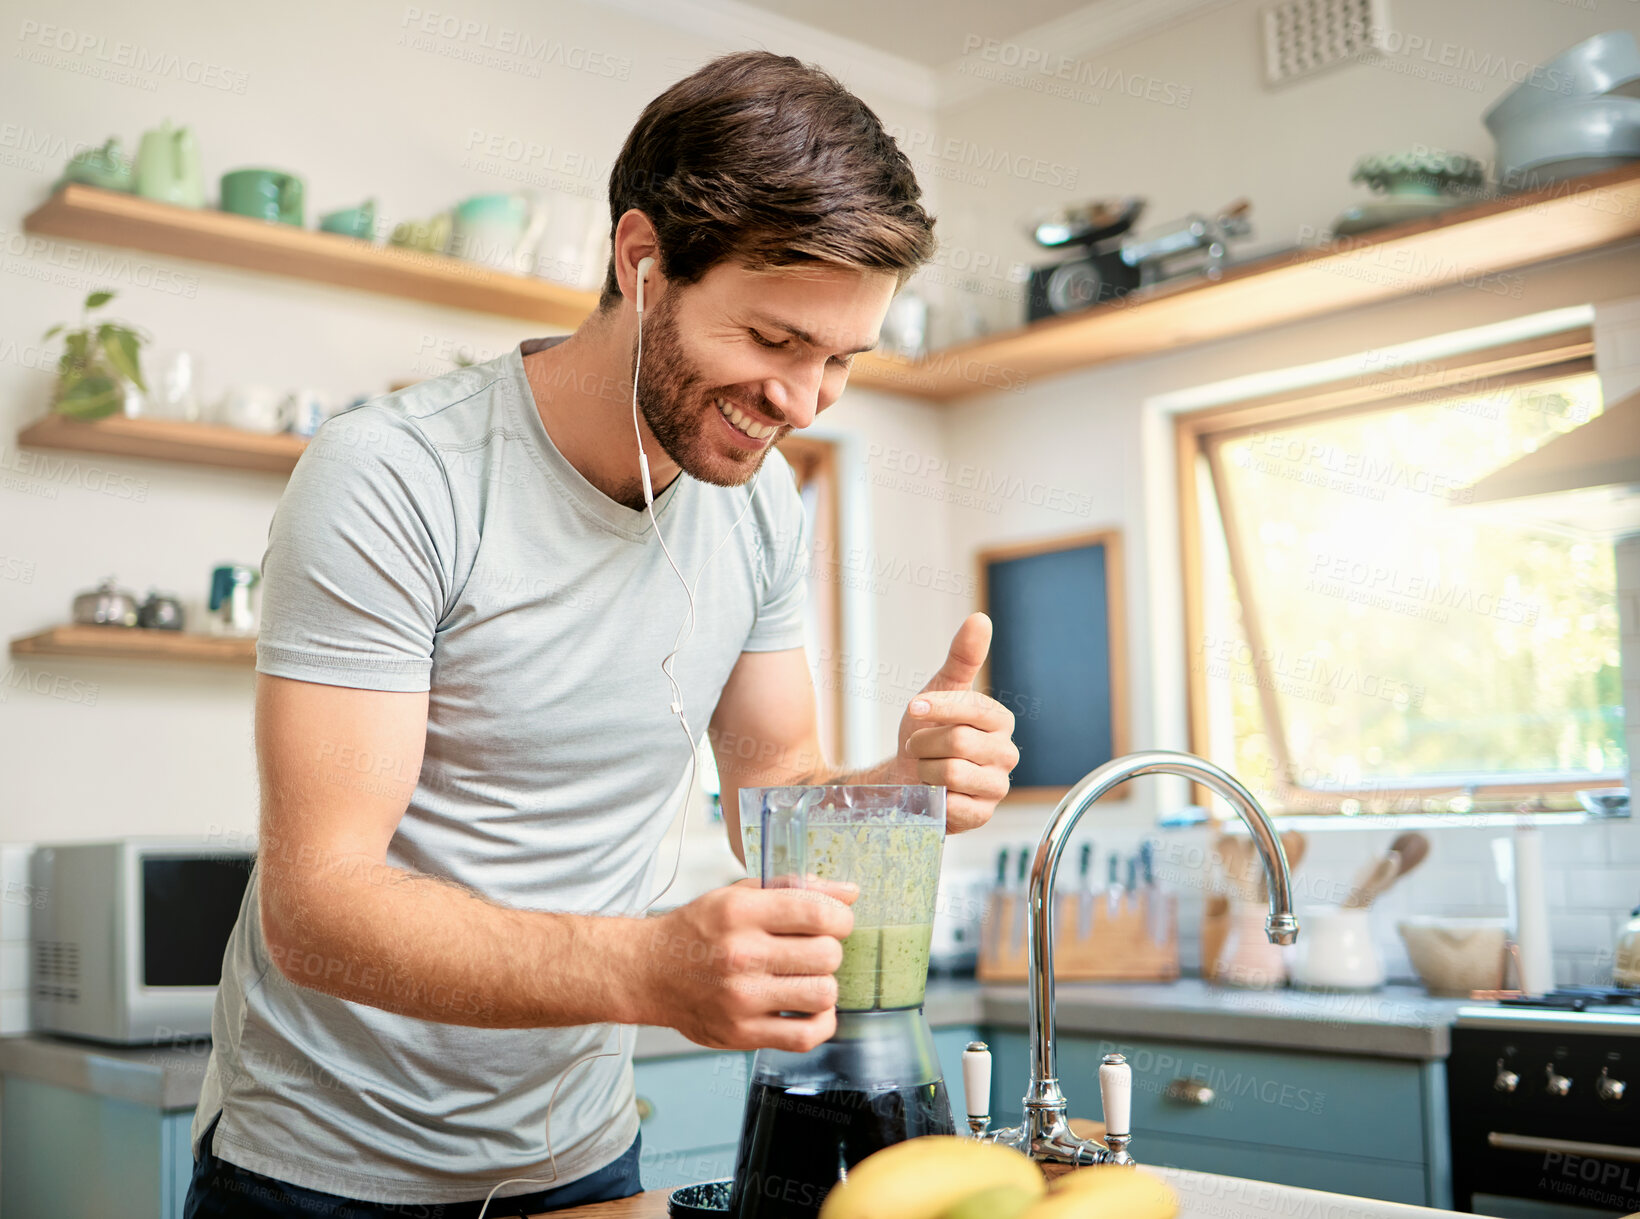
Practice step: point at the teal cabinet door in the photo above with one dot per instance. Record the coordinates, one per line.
(949, 1043)
(71, 1153)
(178, 1160)
(1351, 1125)
(690, 1109)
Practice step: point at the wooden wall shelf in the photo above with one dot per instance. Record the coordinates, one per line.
(200, 444)
(1467, 245)
(136, 643)
(87, 213)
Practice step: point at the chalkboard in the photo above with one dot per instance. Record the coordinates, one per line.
(1058, 656)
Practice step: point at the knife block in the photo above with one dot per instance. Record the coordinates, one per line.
(1096, 938)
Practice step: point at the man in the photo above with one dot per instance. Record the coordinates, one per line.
(468, 750)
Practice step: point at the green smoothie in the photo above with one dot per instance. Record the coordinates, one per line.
(897, 867)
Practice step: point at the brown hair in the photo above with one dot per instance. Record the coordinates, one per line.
(770, 162)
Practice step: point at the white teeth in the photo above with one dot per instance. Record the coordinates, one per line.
(743, 421)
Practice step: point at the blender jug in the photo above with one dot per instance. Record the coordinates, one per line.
(811, 1117)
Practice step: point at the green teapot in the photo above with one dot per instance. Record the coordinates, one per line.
(107, 167)
(168, 166)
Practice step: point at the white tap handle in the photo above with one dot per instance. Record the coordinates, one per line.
(976, 1079)
(1116, 1095)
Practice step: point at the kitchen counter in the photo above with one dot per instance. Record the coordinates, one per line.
(1396, 1022)
(1393, 1022)
(1201, 1196)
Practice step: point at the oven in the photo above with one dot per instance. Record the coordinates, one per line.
(1544, 1120)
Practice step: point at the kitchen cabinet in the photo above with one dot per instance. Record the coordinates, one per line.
(68, 1152)
(689, 1108)
(1369, 1126)
(1360, 1109)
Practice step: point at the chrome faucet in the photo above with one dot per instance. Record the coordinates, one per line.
(1045, 1134)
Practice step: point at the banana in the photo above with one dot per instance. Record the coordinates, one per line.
(999, 1202)
(1106, 1191)
(923, 1178)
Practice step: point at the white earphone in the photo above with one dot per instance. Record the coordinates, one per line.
(643, 458)
(643, 273)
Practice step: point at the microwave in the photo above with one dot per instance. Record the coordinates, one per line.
(127, 937)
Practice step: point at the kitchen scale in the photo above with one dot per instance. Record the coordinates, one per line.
(810, 1117)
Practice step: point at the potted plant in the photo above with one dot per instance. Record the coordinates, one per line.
(98, 364)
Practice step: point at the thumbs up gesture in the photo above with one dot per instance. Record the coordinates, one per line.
(957, 738)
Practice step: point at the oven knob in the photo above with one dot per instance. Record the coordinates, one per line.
(1558, 1085)
(1609, 1088)
(1506, 1081)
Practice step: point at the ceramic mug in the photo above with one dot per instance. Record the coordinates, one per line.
(352, 221)
(266, 194)
(255, 408)
(106, 167)
(500, 231)
(304, 410)
(430, 236)
(168, 168)
(1336, 950)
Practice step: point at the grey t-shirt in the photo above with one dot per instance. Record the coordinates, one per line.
(436, 540)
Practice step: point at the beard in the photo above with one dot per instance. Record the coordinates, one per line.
(677, 405)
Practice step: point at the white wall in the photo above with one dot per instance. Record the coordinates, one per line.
(1182, 117)
(333, 93)
(1290, 150)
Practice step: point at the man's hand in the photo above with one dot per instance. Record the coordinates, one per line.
(953, 736)
(721, 969)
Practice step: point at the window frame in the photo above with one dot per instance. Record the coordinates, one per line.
(1199, 438)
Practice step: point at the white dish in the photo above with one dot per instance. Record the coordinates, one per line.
(1455, 956)
(1579, 129)
(1607, 63)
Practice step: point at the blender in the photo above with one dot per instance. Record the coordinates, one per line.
(810, 1117)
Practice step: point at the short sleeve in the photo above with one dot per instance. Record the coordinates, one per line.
(357, 567)
(779, 626)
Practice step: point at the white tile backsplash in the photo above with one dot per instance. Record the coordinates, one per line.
(16, 893)
(1592, 873)
(1623, 847)
(1590, 933)
(14, 1013)
(1603, 889)
(1572, 845)
(13, 966)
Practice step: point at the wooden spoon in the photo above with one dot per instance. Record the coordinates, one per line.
(1236, 856)
(1215, 930)
(1382, 876)
(1293, 843)
(1413, 848)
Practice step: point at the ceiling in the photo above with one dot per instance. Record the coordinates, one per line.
(927, 32)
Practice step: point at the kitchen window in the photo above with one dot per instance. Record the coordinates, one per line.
(1361, 637)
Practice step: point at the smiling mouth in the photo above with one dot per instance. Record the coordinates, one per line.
(744, 423)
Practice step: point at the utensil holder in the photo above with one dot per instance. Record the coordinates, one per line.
(1246, 959)
(1130, 938)
(1337, 951)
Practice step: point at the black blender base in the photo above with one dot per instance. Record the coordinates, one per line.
(798, 1140)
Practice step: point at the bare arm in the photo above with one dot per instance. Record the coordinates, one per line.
(766, 733)
(338, 767)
